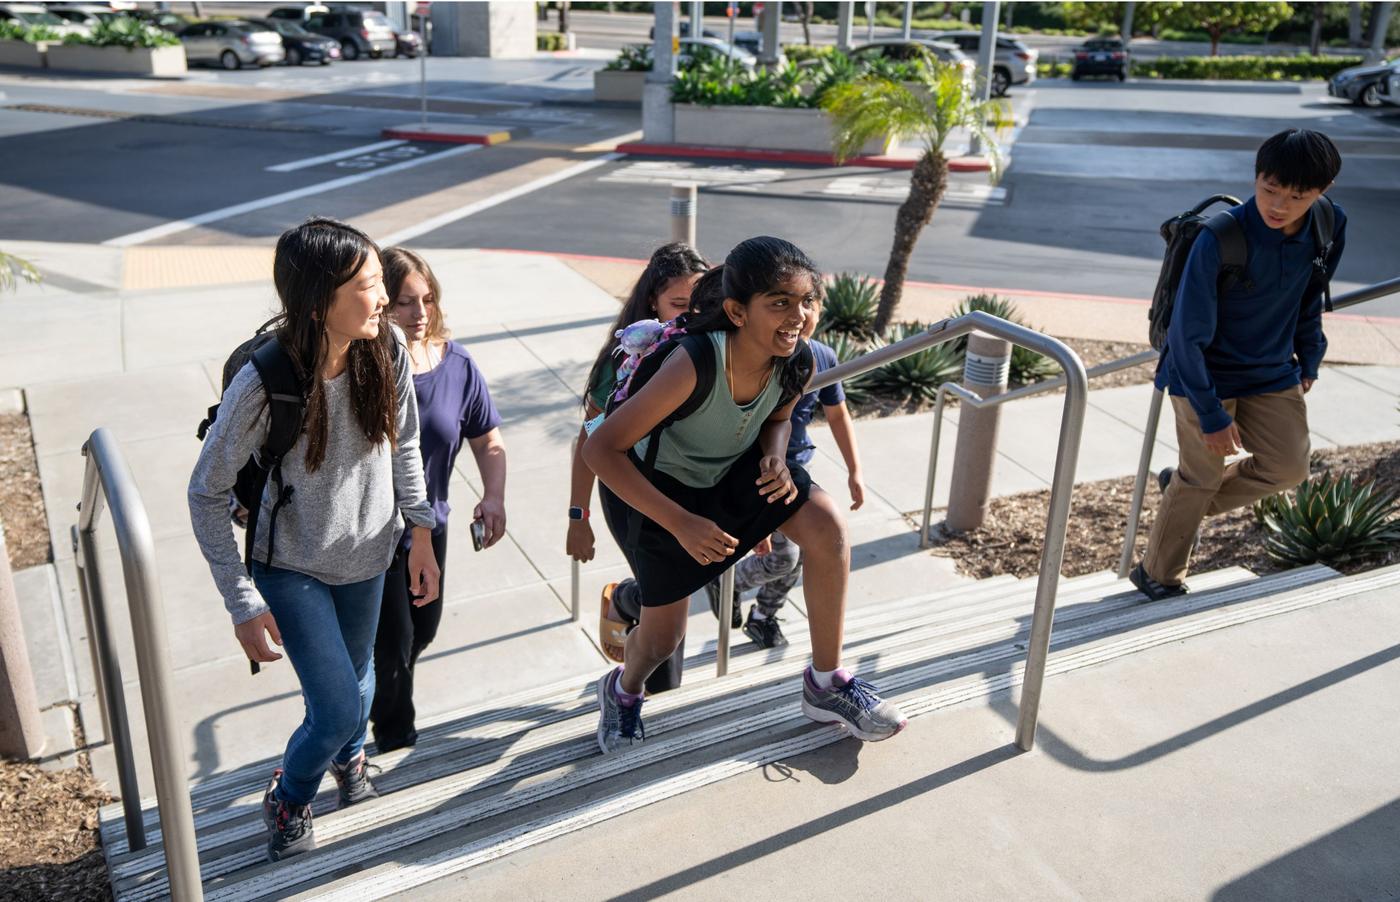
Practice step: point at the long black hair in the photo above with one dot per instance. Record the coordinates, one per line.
(670, 261)
(753, 267)
(311, 262)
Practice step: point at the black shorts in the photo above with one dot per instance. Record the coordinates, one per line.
(664, 570)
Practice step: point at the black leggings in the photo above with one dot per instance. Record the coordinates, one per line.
(404, 631)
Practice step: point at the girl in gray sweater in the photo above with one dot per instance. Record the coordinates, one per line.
(315, 587)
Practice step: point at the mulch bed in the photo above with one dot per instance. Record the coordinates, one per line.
(21, 498)
(49, 845)
(1010, 542)
(1091, 351)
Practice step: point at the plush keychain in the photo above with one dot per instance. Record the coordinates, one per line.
(635, 341)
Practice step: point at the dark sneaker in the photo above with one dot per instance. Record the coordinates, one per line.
(853, 703)
(289, 829)
(1164, 478)
(765, 633)
(619, 725)
(1154, 590)
(736, 616)
(353, 781)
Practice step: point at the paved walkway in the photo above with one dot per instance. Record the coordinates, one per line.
(133, 340)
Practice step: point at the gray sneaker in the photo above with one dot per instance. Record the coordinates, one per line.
(619, 725)
(289, 829)
(853, 703)
(353, 781)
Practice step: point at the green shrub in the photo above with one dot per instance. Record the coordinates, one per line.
(1244, 68)
(1027, 366)
(799, 53)
(850, 306)
(1329, 520)
(1053, 69)
(11, 30)
(549, 41)
(725, 82)
(633, 58)
(918, 376)
(125, 31)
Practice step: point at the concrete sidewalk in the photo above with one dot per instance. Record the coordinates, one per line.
(134, 339)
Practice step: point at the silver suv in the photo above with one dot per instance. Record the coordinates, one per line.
(1014, 63)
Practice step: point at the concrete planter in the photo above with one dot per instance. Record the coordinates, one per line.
(760, 128)
(617, 86)
(162, 61)
(23, 53)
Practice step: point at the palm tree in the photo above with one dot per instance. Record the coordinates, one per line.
(13, 268)
(930, 108)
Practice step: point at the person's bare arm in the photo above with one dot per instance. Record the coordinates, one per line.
(838, 418)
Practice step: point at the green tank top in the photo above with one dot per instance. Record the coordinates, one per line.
(700, 449)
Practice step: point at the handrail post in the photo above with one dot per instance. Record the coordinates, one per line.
(726, 612)
(924, 540)
(1149, 439)
(107, 470)
(1052, 554)
(574, 612)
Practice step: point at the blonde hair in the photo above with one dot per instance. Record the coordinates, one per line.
(399, 263)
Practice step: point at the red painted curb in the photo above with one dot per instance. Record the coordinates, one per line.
(441, 138)
(641, 148)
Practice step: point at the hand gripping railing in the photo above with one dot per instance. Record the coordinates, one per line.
(107, 478)
(1154, 414)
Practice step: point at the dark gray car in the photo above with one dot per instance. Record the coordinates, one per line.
(360, 33)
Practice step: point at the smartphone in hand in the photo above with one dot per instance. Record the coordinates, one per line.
(478, 534)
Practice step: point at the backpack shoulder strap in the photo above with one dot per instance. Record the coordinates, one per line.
(284, 397)
(1234, 248)
(1324, 229)
(702, 356)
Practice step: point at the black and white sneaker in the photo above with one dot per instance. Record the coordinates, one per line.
(765, 632)
(289, 829)
(736, 616)
(1154, 590)
(353, 781)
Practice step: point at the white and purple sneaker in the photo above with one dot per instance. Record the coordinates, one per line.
(619, 724)
(853, 703)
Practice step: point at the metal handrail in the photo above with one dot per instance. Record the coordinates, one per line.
(1075, 379)
(975, 400)
(1154, 414)
(107, 478)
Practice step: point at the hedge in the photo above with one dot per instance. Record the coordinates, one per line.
(1244, 68)
(551, 40)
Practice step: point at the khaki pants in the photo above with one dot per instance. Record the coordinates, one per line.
(1273, 429)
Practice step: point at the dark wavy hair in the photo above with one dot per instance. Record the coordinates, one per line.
(753, 267)
(311, 262)
(670, 261)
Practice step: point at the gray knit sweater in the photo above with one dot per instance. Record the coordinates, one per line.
(343, 521)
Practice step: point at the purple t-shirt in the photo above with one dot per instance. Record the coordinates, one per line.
(454, 404)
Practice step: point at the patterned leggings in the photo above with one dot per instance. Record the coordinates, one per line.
(773, 574)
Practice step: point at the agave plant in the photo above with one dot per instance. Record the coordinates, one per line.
(918, 376)
(1330, 520)
(849, 306)
(1027, 366)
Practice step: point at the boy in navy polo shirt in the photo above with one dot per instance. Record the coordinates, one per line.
(1238, 361)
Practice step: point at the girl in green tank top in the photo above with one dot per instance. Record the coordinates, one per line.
(722, 483)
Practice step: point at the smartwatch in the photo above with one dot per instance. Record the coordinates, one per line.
(578, 513)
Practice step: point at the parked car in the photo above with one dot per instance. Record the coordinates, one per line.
(1100, 56)
(407, 43)
(86, 14)
(32, 15)
(896, 49)
(298, 13)
(164, 19)
(1390, 88)
(1013, 64)
(232, 44)
(1363, 85)
(360, 32)
(700, 49)
(300, 45)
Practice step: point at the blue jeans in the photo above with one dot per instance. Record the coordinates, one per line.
(328, 633)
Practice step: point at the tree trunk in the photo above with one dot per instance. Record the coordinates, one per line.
(1214, 32)
(1380, 24)
(1354, 24)
(805, 11)
(1315, 37)
(1127, 29)
(926, 187)
(563, 16)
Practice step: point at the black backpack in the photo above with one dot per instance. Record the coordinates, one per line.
(286, 402)
(702, 355)
(1180, 233)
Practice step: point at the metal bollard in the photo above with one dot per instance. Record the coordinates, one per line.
(986, 371)
(683, 208)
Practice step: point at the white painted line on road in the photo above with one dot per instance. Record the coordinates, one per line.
(181, 225)
(331, 157)
(665, 172)
(451, 216)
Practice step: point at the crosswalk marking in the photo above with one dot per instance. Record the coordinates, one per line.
(897, 187)
(665, 172)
